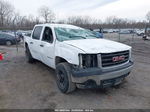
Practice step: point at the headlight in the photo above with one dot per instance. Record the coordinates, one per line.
(88, 60)
(130, 58)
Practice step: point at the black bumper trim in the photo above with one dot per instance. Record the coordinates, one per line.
(104, 83)
(97, 71)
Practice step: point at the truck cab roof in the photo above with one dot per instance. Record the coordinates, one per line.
(59, 25)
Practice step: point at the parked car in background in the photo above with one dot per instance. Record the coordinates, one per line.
(20, 35)
(105, 31)
(98, 33)
(147, 33)
(124, 31)
(115, 30)
(28, 34)
(110, 30)
(140, 32)
(8, 39)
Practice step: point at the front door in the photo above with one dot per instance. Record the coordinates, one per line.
(47, 47)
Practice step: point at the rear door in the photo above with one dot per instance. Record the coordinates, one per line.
(34, 43)
(47, 47)
(2, 39)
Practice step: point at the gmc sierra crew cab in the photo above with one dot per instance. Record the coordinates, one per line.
(79, 58)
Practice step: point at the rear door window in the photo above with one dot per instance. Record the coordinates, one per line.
(3, 36)
(0, 35)
(37, 32)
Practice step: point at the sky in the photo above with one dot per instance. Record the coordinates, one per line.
(98, 9)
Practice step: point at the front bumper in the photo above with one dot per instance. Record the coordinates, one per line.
(97, 77)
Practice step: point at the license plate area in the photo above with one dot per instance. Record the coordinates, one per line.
(111, 82)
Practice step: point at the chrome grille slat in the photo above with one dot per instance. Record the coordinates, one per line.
(107, 61)
(126, 56)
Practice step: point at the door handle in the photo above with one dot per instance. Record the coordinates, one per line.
(42, 45)
(31, 42)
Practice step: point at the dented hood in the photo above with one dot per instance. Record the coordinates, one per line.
(97, 45)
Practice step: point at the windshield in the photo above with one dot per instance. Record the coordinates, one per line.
(64, 34)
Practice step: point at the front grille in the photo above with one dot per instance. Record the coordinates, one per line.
(107, 58)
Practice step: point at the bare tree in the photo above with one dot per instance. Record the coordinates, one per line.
(6, 10)
(10, 19)
(148, 16)
(47, 14)
(79, 20)
(110, 19)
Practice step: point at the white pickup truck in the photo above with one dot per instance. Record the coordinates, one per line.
(80, 59)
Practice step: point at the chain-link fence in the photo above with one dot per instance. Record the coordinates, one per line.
(123, 36)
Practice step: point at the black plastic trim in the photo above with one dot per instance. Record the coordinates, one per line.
(97, 71)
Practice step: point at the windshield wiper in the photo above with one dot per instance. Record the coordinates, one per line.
(77, 36)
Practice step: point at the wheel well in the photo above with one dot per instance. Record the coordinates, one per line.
(9, 40)
(59, 60)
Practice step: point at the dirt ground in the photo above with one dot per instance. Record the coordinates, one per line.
(33, 86)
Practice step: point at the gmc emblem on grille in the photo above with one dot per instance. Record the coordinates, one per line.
(118, 58)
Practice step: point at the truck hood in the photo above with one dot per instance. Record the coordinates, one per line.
(98, 45)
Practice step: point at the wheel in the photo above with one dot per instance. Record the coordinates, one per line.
(8, 43)
(29, 57)
(64, 83)
(144, 37)
(142, 34)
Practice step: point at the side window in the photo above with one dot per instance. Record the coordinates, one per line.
(47, 35)
(2, 36)
(37, 32)
(7, 36)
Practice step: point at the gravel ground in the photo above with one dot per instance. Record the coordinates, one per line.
(33, 86)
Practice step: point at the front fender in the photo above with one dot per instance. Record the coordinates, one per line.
(69, 53)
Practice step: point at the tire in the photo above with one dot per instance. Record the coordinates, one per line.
(8, 43)
(29, 57)
(144, 37)
(142, 34)
(63, 78)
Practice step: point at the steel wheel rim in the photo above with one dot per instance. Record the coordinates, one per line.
(8, 43)
(61, 79)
